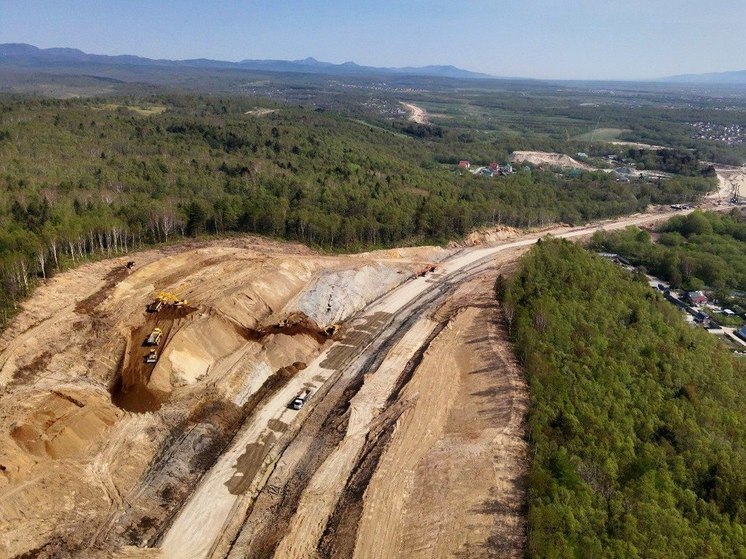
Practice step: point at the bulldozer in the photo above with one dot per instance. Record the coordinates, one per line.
(152, 357)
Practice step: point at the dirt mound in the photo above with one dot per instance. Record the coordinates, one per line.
(486, 235)
(546, 159)
(61, 425)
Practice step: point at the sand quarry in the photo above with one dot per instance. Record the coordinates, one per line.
(410, 445)
(101, 454)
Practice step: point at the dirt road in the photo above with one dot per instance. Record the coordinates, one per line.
(416, 114)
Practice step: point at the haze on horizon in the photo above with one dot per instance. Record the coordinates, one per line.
(580, 39)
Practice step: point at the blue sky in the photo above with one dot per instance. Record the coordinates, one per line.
(572, 39)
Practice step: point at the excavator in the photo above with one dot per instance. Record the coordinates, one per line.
(155, 337)
(165, 298)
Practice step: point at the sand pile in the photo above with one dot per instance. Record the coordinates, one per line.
(545, 159)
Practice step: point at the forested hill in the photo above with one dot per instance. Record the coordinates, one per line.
(697, 251)
(637, 421)
(82, 177)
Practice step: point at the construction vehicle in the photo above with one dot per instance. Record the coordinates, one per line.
(169, 298)
(152, 357)
(155, 337)
(130, 264)
(331, 330)
(155, 306)
(735, 192)
(165, 298)
(300, 399)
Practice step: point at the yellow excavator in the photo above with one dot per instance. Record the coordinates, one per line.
(169, 298)
(166, 298)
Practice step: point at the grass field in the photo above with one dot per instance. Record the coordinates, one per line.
(602, 135)
(144, 110)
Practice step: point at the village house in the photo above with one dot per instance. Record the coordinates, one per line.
(696, 297)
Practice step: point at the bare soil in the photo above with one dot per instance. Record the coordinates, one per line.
(416, 114)
(98, 449)
(545, 159)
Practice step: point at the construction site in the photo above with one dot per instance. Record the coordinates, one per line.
(252, 398)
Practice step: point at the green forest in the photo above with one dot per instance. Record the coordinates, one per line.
(94, 177)
(636, 424)
(702, 249)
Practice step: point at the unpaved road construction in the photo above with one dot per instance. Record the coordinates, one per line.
(411, 443)
(417, 114)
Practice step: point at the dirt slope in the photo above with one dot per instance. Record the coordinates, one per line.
(546, 159)
(729, 178)
(450, 482)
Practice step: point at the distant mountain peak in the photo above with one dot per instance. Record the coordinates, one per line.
(30, 56)
(11, 49)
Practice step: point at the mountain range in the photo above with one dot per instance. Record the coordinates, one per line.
(713, 78)
(29, 57)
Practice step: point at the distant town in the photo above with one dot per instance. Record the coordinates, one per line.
(732, 134)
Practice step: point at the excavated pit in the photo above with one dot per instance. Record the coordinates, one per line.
(131, 390)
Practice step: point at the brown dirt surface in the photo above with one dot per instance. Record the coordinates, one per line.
(401, 440)
(450, 483)
(416, 114)
(729, 179)
(546, 159)
(97, 448)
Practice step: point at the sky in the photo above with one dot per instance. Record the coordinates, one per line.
(551, 39)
